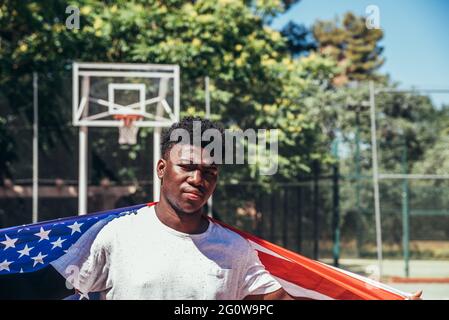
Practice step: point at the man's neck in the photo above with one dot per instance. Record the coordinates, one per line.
(191, 223)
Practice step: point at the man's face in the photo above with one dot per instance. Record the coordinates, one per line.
(188, 177)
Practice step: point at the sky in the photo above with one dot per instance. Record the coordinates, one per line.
(416, 36)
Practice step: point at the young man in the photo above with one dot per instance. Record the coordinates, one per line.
(172, 250)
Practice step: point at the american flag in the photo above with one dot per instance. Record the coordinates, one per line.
(53, 245)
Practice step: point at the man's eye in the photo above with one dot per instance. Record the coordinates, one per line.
(211, 172)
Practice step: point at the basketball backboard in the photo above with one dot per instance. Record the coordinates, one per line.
(104, 91)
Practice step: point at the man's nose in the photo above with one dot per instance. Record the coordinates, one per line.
(196, 178)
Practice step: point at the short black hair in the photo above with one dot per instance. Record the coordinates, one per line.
(187, 124)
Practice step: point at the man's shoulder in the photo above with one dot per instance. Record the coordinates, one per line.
(230, 238)
(125, 221)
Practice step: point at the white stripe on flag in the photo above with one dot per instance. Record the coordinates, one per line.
(258, 247)
(297, 291)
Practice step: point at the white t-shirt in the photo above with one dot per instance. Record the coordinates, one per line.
(138, 257)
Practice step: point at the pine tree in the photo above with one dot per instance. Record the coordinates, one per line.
(352, 44)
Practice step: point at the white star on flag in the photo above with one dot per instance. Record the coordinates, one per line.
(83, 295)
(57, 243)
(39, 259)
(9, 243)
(5, 265)
(42, 234)
(75, 227)
(25, 251)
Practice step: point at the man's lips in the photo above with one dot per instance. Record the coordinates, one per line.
(193, 194)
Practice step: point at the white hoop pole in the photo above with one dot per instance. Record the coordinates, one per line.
(83, 143)
(375, 178)
(75, 93)
(82, 184)
(35, 148)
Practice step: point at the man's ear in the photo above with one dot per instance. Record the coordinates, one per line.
(160, 168)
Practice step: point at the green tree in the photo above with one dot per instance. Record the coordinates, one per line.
(299, 38)
(352, 44)
(436, 155)
(254, 81)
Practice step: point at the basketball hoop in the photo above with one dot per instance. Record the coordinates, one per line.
(128, 130)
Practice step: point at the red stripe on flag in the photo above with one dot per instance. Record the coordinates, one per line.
(321, 274)
(303, 277)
